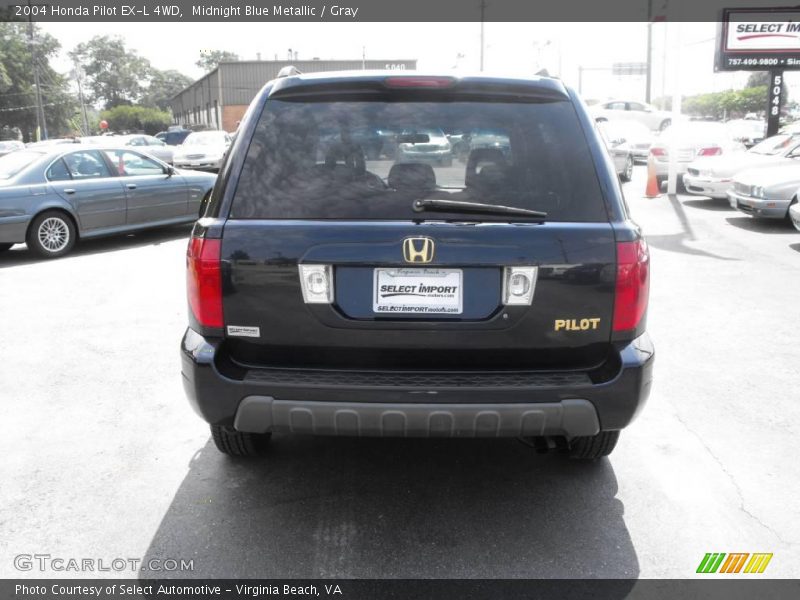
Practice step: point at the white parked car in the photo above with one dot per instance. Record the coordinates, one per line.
(143, 143)
(202, 150)
(712, 176)
(636, 136)
(618, 149)
(748, 131)
(651, 117)
(692, 139)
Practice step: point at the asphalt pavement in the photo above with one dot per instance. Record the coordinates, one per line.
(103, 457)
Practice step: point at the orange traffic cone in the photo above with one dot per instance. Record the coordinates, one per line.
(653, 190)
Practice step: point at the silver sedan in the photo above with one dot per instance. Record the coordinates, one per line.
(52, 196)
(766, 192)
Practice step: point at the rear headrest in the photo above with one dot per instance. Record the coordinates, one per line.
(485, 165)
(349, 155)
(417, 176)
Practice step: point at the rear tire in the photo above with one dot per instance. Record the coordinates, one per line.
(4, 247)
(593, 447)
(238, 443)
(664, 124)
(627, 174)
(51, 234)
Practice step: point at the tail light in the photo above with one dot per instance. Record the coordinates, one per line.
(658, 152)
(710, 151)
(204, 281)
(633, 284)
(419, 82)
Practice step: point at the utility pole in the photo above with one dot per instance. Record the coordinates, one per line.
(41, 125)
(78, 78)
(649, 73)
(363, 58)
(483, 13)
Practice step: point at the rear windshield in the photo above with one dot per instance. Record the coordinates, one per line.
(373, 159)
(13, 163)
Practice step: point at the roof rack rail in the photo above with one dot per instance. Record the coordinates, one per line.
(288, 71)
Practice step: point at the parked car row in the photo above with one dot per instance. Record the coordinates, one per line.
(200, 150)
(51, 196)
(759, 177)
(763, 182)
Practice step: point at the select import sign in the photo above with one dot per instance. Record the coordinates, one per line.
(759, 40)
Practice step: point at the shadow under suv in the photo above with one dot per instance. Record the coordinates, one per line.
(336, 291)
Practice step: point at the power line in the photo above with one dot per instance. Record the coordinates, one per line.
(17, 108)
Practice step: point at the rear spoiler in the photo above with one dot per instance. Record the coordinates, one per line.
(521, 90)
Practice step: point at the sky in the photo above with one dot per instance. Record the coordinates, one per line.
(510, 48)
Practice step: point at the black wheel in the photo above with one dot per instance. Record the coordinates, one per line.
(664, 124)
(627, 173)
(238, 443)
(51, 234)
(593, 447)
(4, 247)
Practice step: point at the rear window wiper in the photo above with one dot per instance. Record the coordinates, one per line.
(460, 206)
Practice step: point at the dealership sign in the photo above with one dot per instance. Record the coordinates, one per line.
(759, 40)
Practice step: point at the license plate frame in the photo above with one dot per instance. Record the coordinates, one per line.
(417, 291)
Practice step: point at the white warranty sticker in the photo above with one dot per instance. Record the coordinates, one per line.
(418, 291)
(241, 331)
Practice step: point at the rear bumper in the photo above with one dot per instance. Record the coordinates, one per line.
(662, 168)
(403, 403)
(13, 229)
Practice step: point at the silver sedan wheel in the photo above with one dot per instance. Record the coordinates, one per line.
(53, 234)
(629, 168)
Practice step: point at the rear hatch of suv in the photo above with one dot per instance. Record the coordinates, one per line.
(417, 253)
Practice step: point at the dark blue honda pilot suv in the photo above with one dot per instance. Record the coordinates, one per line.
(406, 289)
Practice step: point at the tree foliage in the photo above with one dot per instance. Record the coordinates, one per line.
(164, 85)
(115, 75)
(118, 76)
(125, 118)
(211, 59)
(17, 89)
(727, 104)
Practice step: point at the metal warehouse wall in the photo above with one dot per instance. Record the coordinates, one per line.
(242, 80)
(204, 100)
(200, 102)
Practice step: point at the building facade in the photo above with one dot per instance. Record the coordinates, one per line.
(219, 99)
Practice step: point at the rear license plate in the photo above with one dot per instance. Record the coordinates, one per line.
(418, 291)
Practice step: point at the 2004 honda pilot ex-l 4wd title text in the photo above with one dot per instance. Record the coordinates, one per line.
(496, 291)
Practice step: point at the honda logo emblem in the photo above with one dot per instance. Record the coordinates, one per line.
(418, 249)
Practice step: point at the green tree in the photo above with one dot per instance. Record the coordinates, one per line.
(209, 60)
(115, 75)
(763, 79)
(758, 79)
(164, 85)
(17, 90)
(123, 118)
